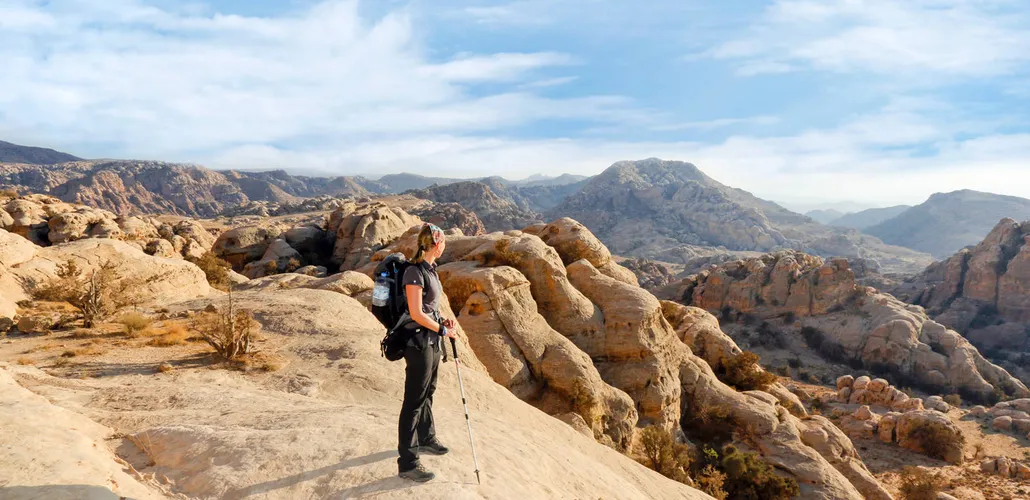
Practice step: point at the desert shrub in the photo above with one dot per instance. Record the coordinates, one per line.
(229, 331)
(271, 267)
(706, 423)
(936, 440)
(8, 193)
(585, 403)
(749, 319)
(953, 400)
(663, 454)
(920, 484)
(790, 318)
(215, 269)
(744, 373)
(750, 478)
(795, 362)
(292, 265)
(96, 294)
(134, 322)
(710, 480)
(173, 334)
(813, 337)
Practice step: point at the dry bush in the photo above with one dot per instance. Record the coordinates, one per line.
(743, 373)
(292, 265)
(937, 441)
(25, 361)
(707, 423)
(97, 294)
(229, 331)
(165, 368)
(919, 484)
(664, 455)
(134, 323)
(172, 335)
(215, 269)
(953, 400)
(271, 267)
(711, 481)
(8, 193)
(585, 403)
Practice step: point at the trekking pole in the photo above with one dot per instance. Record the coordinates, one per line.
(457, 366)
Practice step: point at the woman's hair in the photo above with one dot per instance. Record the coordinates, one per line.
(428, 237)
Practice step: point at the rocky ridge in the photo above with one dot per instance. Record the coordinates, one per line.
(652, 207)
(846, 321)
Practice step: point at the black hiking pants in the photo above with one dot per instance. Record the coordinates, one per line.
(416, 421)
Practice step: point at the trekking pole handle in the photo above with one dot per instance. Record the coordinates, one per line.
(454, 348)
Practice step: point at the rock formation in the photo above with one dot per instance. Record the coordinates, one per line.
(863, 324)
(45, 220)
(537, 320)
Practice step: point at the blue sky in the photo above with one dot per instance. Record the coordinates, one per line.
(805, 102)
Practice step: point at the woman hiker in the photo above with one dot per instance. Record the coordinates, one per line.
(423, 291)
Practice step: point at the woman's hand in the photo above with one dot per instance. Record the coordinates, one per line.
(450, 324)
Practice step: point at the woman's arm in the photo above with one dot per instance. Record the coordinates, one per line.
(414, 295)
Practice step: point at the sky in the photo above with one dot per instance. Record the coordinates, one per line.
(809, 103)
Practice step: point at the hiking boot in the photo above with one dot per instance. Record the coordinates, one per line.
(433, 447)
(419, 474)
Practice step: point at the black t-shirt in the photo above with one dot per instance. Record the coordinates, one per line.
(431, 294)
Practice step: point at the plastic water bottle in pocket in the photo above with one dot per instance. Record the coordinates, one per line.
(381, 292)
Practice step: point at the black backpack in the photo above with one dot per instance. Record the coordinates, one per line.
(389, 303)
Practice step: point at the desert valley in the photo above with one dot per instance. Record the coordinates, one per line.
(173, 331)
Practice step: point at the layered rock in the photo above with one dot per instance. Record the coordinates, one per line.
(877, 329)
(358, 231)
(496, 212)
(878, 392)
(450, 215)
(1005, 467)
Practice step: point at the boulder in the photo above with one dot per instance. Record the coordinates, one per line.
(242, 245)
(937, 403)
(1003, 424)
(161, 248)
(860, 383)
(574, 241)
(360, 233)
(908, 434)
(15, 249)
(314, 271)
(349, 283)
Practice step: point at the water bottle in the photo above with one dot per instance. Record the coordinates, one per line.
(381, 290)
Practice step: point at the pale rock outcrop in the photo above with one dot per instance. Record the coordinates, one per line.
(358, 232)
(574, 241)
(242, 245)
(158, 280)
(1005, 467)
(908, 422)
(880, 331)
(277, 257)
(64, 453)
(875, 392)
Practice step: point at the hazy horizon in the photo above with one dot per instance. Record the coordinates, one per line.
(873, 101)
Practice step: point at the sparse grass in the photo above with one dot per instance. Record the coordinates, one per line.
(8, 193)
(134, 323)
(171, 335)
(919, 484)
(26, 361)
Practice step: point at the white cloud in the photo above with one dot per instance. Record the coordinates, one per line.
(158, 83)
(942, 37)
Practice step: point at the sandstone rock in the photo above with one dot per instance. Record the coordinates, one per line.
(860, 383)
(864, 413)
(484, 198)
(349, 283)
(831, 443)
(159, 280)
(844, 395)
(907, 405)
(305, 238)
(878, 385)
(38, 323)
(908, 422)
(314, 271)
(450, 215)
(161, 248)
(887, 426)
(937, 403)
(242, 245)
(1003, 424)
(14, 249)
(1021, 425)
(574, 241)
(361, 232)
(978, 411)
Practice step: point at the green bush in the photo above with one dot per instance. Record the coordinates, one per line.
(664, 455)
(749, 478)
(744, 373)
(215, 269)
(953, 400)
(938, 441)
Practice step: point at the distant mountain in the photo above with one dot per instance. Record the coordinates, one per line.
(544, 181)
(825, 216)
(133, 187)
(13, 153)
(870, 217)
(491, 200)
(399, 183)
(659, 209)
(948, 222)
